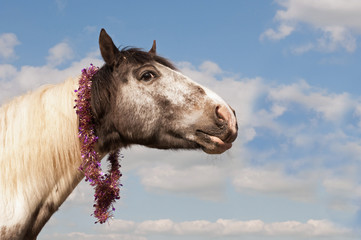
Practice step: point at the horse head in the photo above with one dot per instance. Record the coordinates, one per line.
(139, 97)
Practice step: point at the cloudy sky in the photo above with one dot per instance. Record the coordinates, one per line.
(290, 69)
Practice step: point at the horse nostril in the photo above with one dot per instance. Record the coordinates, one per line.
(227, 122)
(222, 113)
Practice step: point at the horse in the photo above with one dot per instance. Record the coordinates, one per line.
(137, 97)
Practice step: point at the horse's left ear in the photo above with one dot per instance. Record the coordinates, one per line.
(107, 48)
(153, 50)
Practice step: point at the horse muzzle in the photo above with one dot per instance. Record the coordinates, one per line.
(219, 137)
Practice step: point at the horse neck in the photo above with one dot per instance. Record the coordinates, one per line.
(39, 157)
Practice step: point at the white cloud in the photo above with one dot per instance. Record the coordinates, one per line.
(59, 54)
(86, 236)
(321, 13)
(332, 107)
(357, 113)
(8, 41)
(229, 228)
(14, 81)
(299, 50)
(210, 68)
(335, 37)
(121, 225)
(344, 192)
(7, 72)
(164, 226)
(282, 32)
(338, 21)
(204, 181)
(219, 229)
(351, 148)
(274, 181)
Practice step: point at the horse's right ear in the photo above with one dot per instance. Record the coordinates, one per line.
(107, 48)
(153, 50)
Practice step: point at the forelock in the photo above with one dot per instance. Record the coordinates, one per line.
(137, 56)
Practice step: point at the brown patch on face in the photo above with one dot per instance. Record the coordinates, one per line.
(201, 90)
(195, 98)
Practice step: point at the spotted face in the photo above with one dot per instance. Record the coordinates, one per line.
(140, 98)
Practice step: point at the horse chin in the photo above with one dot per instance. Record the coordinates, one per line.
(219, 146)
(212, 144)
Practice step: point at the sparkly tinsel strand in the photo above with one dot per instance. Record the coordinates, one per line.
(106, 185)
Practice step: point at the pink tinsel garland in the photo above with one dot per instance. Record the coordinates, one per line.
(106, 185)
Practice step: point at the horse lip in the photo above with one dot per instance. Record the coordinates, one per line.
(207, 142)
(213, 144)
(231, 137)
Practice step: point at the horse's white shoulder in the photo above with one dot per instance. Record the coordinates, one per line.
(39, 157)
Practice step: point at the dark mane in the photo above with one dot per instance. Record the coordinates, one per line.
(139, 57)
(104, 89)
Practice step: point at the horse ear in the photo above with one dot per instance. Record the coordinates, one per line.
(107, 48)
(153, 50)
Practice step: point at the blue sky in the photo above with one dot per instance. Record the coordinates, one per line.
(290, 68)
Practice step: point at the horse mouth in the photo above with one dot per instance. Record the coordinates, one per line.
(212, 144)
(209, 142)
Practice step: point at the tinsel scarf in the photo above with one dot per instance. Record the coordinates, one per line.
(106, 186)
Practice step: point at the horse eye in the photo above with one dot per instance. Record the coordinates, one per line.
(147, 76)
